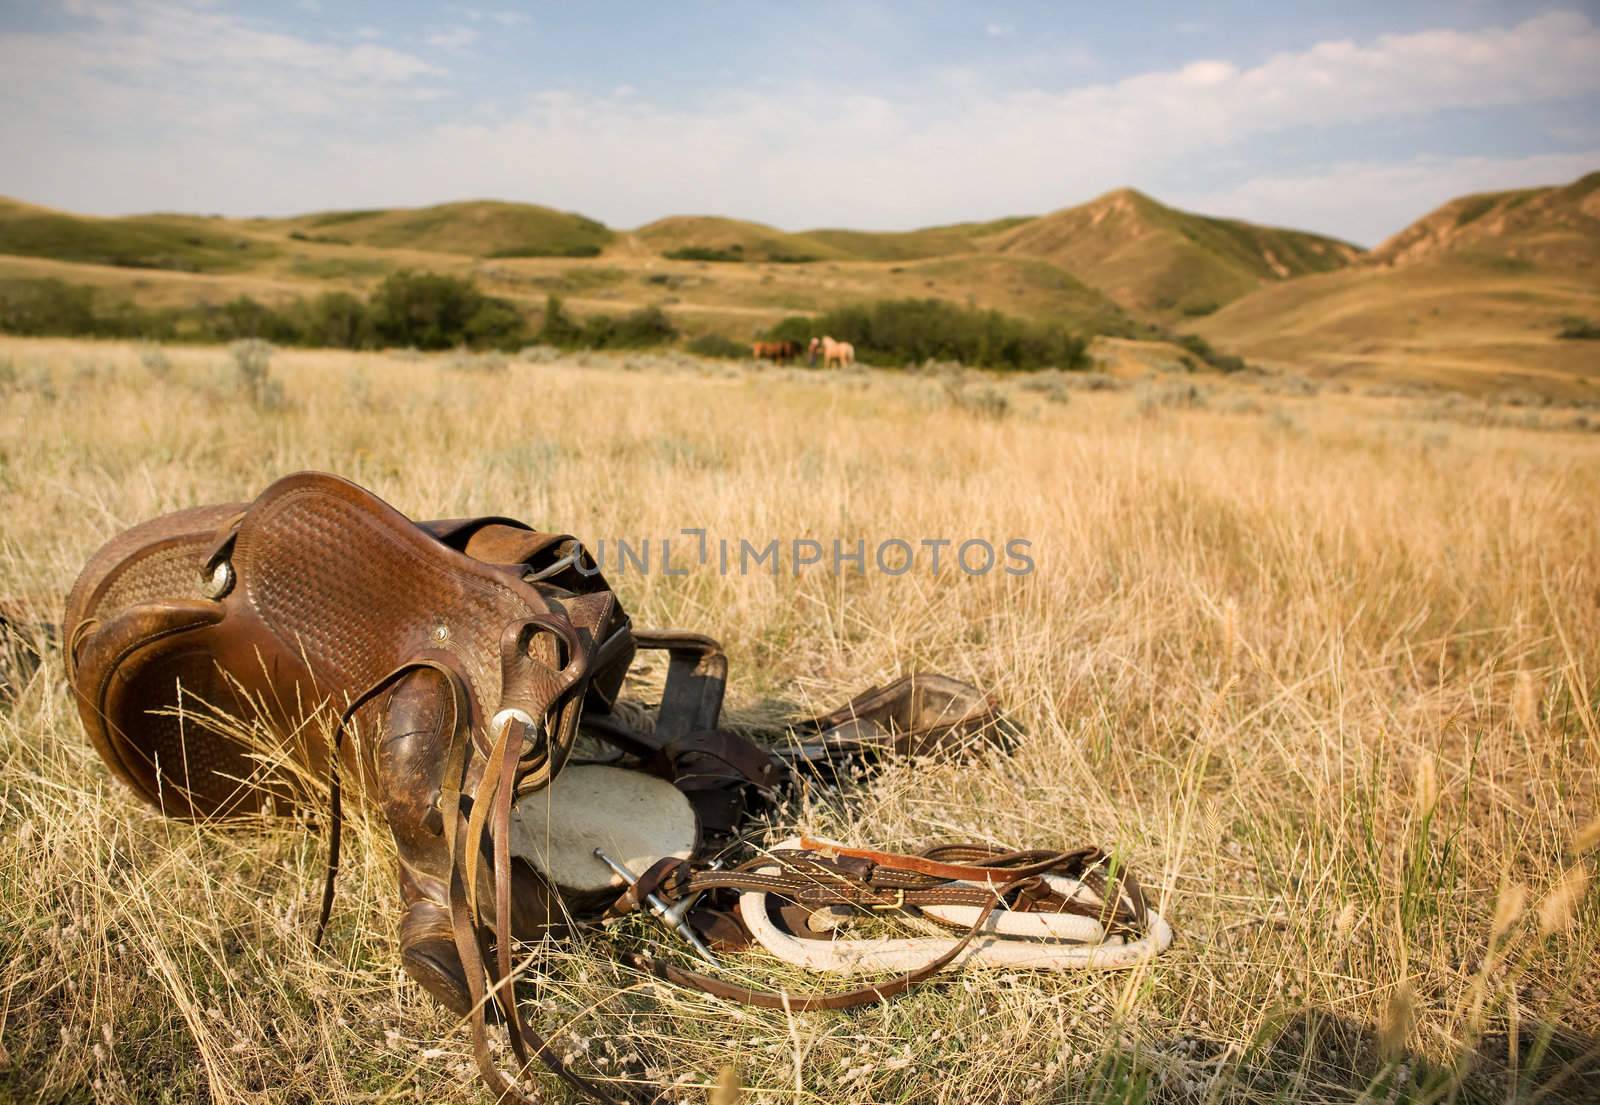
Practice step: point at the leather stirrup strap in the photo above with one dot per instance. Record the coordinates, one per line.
(697, 676)
(496, 789)
(335, 786)
(491, 810)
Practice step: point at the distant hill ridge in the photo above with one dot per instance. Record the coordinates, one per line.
(480, 228)
(755, 241)
(1479, 291)
(1554, 226)
(1146, 257)
(1477, 294)
(181, 243)
(1155, 259)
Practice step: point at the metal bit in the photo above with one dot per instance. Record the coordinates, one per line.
(674, 917)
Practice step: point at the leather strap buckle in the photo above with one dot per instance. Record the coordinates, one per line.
(889, 907)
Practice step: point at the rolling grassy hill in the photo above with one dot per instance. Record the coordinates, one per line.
(1472, 295)
(478, 228)
(176, 242)
(1023, 286)
(1554, 229)
(914, 245)
(735, 239)
(751, 241)
(1159, 261)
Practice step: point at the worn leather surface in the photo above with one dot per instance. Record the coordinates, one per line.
(211, 707)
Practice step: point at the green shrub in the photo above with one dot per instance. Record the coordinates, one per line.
(320, 239)
(559, 329)
(716, 345)
(49, 306)
(242, 318)
(337, 320)
(496, 324)
(426, 312)
(635, 330)
(1222, 362)
(587, 249)
(1574, 328)
(408, 310)
(434, 311)
(705, 253)
(899, 330)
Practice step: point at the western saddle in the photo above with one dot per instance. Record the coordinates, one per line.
(465, 677)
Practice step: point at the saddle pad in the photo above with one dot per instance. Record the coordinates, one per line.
(636, 818)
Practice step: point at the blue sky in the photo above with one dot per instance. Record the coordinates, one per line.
(1351, 118)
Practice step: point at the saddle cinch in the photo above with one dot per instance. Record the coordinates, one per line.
(225, 657)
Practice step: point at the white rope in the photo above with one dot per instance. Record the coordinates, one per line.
(1046, 941)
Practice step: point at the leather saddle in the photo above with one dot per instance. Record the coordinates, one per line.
(237, 659)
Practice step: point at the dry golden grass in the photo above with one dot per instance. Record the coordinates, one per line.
(1477, 325)
(1325, 672)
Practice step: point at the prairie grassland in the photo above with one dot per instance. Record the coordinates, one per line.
(1324, 671)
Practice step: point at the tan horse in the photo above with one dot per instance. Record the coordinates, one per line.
(835, 354)
(778, 352)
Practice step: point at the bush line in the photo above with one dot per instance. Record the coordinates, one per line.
(431, 311)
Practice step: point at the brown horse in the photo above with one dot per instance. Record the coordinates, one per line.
(835, 354)
(778, 352)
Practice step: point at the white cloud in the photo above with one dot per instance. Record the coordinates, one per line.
(505, 17)
(998, 30)
(454, 38)
(255, 121)
(182, 70)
